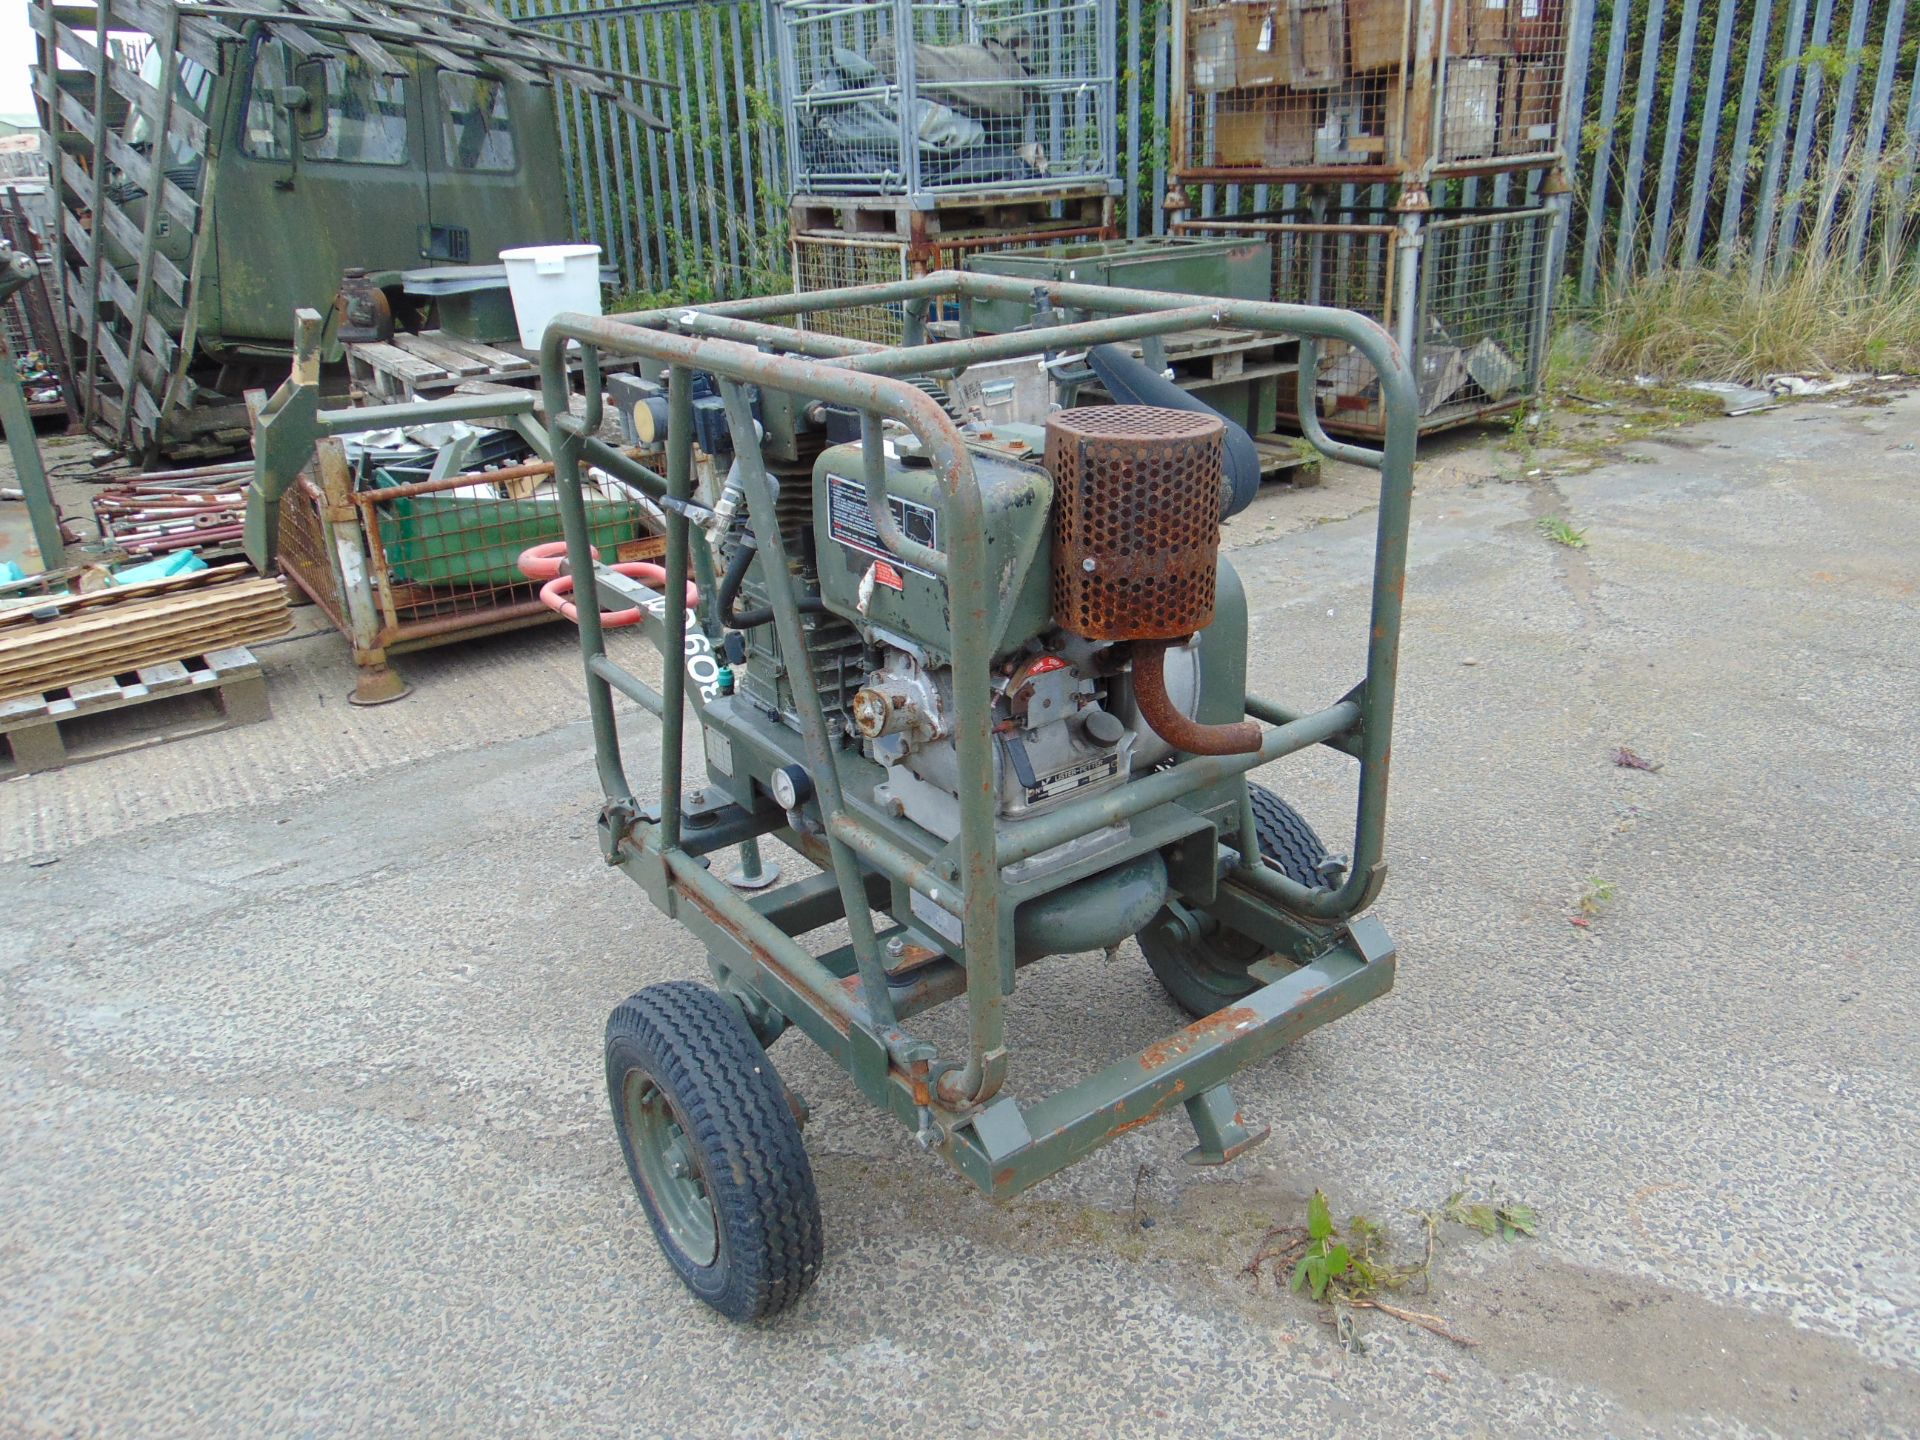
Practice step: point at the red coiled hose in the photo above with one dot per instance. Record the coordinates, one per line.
(548, 563)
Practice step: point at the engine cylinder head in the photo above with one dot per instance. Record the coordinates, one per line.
(1136, 520)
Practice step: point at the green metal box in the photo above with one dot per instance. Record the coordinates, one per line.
(1233, 269)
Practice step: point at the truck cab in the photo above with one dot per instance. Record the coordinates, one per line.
(327, 163)
(315, 165)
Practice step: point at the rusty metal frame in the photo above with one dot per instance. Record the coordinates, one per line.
(845, 1000)
(1406, 293)
(921, 253)
(298, 461)
(1421, 83)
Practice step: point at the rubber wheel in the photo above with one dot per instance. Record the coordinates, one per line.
(713, 1149)
(1210, 972)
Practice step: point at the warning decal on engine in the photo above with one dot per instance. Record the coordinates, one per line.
(1076, 776)
(851, 524)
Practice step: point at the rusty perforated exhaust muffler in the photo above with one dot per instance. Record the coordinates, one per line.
(1136, 546)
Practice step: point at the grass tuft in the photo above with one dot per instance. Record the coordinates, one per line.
(1561, 532)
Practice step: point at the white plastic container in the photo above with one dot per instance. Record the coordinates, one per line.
(548, 279)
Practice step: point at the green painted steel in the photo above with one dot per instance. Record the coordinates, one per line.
(1016, 500)
(1189, 820)
(30, 471)
(1182, 265)
(249, 161)
(456, 539)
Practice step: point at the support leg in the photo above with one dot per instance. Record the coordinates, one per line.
(1221, 1129)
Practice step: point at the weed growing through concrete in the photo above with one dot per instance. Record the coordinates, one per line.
(1347, 1270)
(1561, 532)
(1595, 895)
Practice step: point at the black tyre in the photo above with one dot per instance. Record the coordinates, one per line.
(1203, 975)
(713, 1149)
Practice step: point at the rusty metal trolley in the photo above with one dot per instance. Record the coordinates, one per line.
(924, 591)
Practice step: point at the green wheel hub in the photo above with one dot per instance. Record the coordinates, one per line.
(665, 1160)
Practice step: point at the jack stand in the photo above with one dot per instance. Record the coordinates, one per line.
(754, 873)
(1222, 1132)
(378, 685)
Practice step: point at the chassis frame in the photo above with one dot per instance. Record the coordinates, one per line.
(853, 1001)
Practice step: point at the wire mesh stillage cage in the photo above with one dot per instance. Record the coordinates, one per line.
(890, 97)
(1380, 89)
(1475, 309)
(435, 558)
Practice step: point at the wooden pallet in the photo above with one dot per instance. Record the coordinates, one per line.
(1284, 458)
(1220, 356)
(114, 631)
(413, 367)
(207, 692)
(1082, 205)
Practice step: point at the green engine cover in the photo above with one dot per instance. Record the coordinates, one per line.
(1017, 496)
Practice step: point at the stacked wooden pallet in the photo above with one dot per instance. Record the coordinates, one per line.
(415, 367)
(103, 633)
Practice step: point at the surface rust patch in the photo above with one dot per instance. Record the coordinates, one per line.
(1221, 1026)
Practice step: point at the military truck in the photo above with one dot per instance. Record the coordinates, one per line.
(217, 166)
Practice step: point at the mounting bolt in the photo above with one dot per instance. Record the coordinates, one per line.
(929, 1134)
(896, 947)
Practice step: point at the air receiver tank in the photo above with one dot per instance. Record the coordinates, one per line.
(1136, 546)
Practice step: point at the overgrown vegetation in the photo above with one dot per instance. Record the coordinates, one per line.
(1821, 316)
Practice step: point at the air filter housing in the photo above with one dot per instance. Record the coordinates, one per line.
(1136, 520)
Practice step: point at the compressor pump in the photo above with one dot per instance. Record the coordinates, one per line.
(990, 682)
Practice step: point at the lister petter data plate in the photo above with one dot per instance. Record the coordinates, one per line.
(850, 523)
(1076, 776)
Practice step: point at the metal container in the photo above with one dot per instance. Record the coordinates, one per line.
(1136, 520)
(1471, 304)
(1295, 91)
(1230, 267)
(995, 96)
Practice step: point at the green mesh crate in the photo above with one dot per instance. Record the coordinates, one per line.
(472, 536)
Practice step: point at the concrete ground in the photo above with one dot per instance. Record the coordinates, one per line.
(300, 1039)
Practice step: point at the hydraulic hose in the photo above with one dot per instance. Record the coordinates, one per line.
(548, 563)
(730, 592)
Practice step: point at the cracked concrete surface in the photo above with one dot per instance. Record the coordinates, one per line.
(300, 1031)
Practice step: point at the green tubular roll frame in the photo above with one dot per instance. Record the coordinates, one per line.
(1334, 958)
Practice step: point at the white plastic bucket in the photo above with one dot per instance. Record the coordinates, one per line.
(547, 279)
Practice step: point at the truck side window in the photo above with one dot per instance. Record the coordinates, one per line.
(269, 124)
(366, 116)
(193, 83)
(476, 129)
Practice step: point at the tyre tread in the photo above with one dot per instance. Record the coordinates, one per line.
(734, 1107)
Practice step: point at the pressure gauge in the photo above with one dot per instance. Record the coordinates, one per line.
(792, 787)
